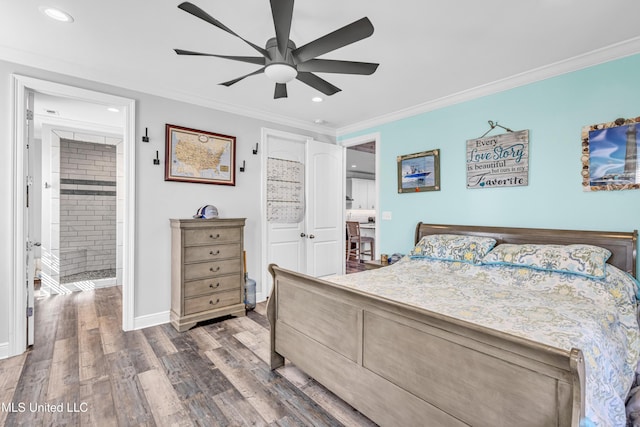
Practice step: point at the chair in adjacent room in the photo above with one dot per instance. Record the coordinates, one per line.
(355, 242)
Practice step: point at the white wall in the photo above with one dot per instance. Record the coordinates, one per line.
(157, 200)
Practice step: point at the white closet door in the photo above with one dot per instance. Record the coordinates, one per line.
(286, 243)
(291, 245)
(325, 201)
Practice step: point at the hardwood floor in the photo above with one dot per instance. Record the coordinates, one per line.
(83, 370)
(354, 266)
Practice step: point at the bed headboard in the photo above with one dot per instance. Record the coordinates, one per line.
(621, 244)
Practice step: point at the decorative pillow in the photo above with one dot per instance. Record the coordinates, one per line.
(582, 260)
(453, 247)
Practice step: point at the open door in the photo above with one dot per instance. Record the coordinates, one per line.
(21, 294)
(325, 227)
(28, 215)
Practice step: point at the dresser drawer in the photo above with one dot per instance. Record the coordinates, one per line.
(211, 236)
(204, 253)
(214, 284)
(203, 270)
(211, 302)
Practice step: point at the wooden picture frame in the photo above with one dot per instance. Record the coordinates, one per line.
(419, 172)
(199, 156)
(610, 155)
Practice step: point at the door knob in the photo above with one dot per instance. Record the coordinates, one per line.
(311, 236)
(303, 235)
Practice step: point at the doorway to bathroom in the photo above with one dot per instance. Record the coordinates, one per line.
(81, 233)
(26, 240)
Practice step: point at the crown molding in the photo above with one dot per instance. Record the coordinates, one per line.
(589, 59)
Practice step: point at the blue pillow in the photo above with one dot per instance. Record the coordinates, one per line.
(453, 247)
(582, 260)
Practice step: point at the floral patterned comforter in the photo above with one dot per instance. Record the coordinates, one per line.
(561, 310)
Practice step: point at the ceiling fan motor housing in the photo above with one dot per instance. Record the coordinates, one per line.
(274, 54)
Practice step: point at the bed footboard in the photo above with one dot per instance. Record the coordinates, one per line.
(401, 365)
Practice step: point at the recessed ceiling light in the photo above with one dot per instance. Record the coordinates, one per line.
(316, 99)
(319, 121)
(113, 110)
(354, 166)
(57, 14)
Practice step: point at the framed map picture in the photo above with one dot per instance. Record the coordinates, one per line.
(198, 156)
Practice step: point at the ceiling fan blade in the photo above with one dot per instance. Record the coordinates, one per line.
(234, 81)
(344, 36)
(282, 11)
(342, 67)
(318, 83)
(199, 13)
(281, 91)
(250, 59)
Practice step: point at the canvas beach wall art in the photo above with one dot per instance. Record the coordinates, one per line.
(610, 155)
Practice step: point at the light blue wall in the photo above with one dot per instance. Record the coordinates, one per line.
(555, 111)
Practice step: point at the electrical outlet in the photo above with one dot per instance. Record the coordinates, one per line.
(386, 215)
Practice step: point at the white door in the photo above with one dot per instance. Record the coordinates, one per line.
(314, 245)
(325, 202)
(286, 245)
(29, 218)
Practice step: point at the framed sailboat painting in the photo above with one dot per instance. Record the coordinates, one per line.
(419, 172)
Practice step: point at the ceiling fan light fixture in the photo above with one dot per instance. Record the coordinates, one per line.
(280, 73)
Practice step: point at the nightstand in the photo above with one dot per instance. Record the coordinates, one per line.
(373, 264)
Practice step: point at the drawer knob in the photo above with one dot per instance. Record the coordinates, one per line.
(211, 236)
(214, 303)
(213, 271)
(215, 253)
(213, 287)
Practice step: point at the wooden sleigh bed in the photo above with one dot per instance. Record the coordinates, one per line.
(405, 366)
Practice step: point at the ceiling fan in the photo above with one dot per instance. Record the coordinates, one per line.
(282, 61)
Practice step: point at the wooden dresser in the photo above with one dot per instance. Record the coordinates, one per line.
(206, 270)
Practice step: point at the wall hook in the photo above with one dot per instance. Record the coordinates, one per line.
(156, 161)
(242, 168)
(255, 150)
(492, 126)
(145, 137)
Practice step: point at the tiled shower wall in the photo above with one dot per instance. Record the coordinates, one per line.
(87, 207)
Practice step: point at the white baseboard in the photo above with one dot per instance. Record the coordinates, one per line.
(104, 283)
(4, 350)
(260, 297)
(149, 320)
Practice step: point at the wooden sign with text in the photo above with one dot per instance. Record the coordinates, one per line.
(498, 161)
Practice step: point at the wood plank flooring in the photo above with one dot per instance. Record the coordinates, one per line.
(84, 371)
(354, 266)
